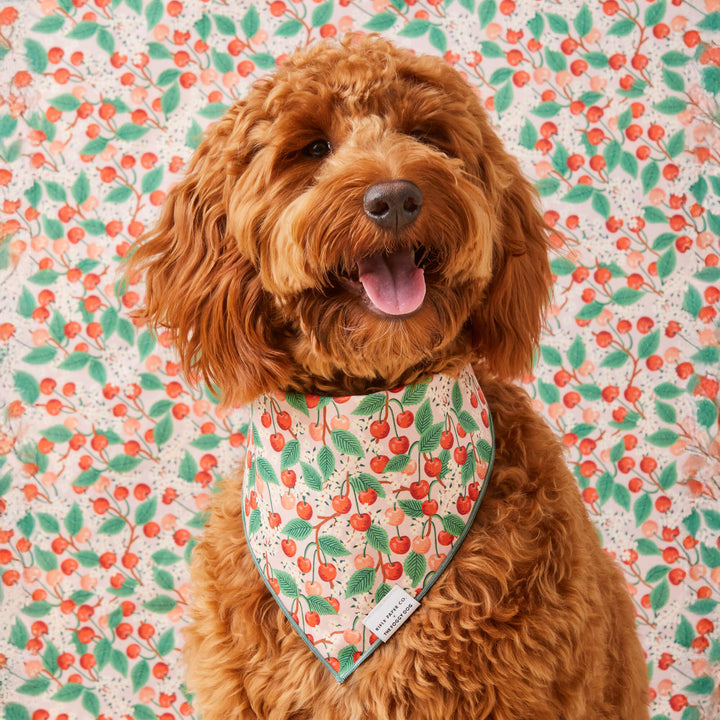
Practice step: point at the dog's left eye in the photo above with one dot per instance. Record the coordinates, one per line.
(420, 134)
(317, 149)
(431, 136)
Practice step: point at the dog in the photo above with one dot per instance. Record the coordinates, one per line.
(355, 226)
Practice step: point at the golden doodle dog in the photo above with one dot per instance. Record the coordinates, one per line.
(353, 246)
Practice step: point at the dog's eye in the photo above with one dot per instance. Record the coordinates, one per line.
(430, 136)
(317, 149)
(420, 134)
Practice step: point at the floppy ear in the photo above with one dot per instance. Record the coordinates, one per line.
(507, 325)
(198, 283)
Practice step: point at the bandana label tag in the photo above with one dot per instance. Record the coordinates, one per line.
(390, 613)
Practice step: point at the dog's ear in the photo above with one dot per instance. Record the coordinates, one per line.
(199, 285)
(508, 322)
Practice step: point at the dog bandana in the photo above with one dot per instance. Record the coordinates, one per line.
(354, 506)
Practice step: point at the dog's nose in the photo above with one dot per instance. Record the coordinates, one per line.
(393, 205)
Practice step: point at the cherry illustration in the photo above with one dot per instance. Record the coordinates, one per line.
(419, 489)
(400, 544)
(393, 570)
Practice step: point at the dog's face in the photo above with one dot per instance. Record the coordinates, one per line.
(353, 224)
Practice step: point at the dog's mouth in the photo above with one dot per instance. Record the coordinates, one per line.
(392, 284)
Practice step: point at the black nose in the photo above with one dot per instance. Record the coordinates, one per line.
(393, 205)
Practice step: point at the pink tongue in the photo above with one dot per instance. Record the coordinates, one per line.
(394, 284)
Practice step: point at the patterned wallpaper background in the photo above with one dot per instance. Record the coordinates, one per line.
(108, 456)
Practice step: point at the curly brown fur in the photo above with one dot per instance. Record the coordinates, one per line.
(252, 266)
(246, 263)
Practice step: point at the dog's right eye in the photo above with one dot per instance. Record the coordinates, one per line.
(317, 149)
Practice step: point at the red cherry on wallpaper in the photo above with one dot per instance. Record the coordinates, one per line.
(107, 560)
(65, 660)
(678, 702)
(610, 393)
(587, 445)
(160, 670)
(520, 78)
(277, 8)
(676, 576)
(245, 67)
(146, 631)
(571, 399)
(663, 504)
(590, 495)
(635, 485)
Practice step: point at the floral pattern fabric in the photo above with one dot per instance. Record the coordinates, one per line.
(108, 457)
(412, 463)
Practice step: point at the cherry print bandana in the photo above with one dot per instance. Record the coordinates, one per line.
(348, 498)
